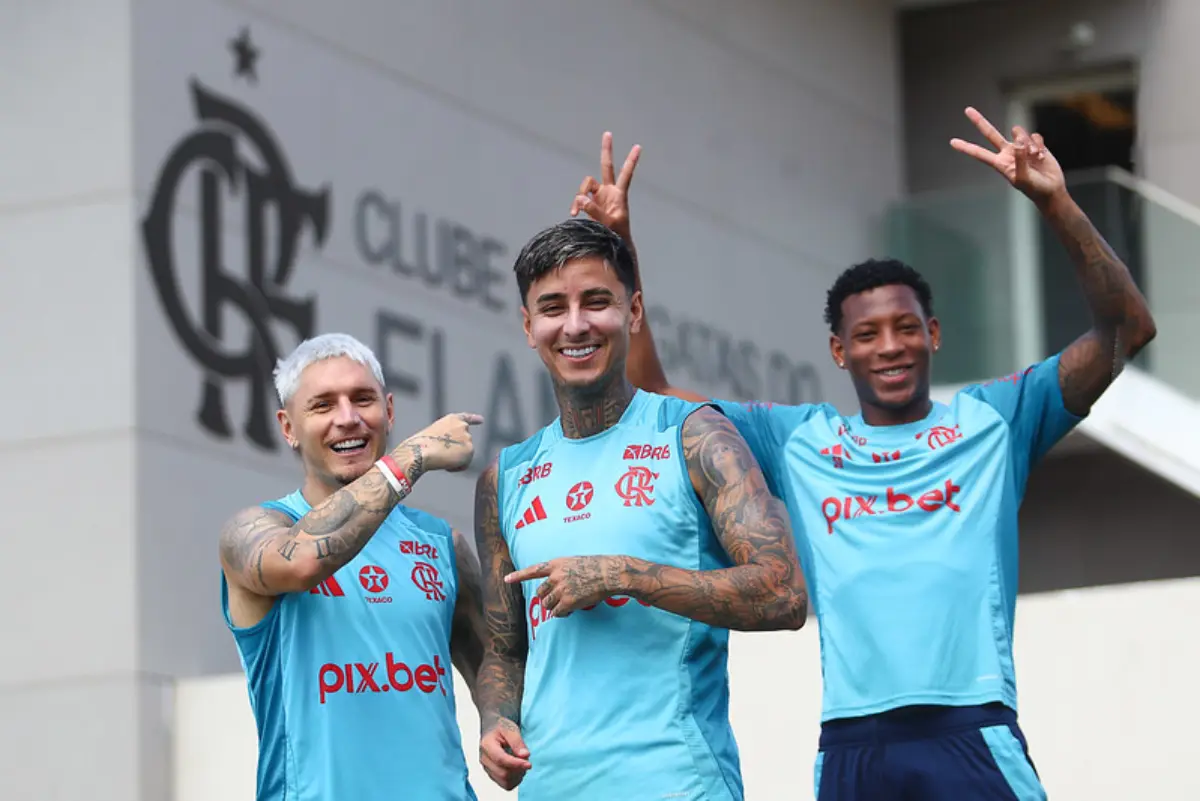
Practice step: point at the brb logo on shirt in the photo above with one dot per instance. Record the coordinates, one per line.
(852, 506)
(358, 677)
(636, 452)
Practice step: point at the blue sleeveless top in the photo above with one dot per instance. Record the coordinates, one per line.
(623, 700)
(351, 682)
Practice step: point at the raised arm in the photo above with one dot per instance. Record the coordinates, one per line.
(263, 552)
(764, 591)
(607, 202)
(468, 630)
(1121, 320)
(501, 681)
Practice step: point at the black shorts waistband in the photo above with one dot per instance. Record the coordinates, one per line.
(913, 723)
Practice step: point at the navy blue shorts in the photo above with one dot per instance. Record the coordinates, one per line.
(927, 753)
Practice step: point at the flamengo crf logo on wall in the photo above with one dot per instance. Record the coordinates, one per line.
(254, 289)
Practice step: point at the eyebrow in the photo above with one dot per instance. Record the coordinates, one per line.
(902, 317)
(549, 296)
(587, 294)
(332, 394)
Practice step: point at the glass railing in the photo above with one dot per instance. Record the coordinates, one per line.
(1005, 289)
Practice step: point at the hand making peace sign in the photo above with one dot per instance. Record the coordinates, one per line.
(1024, 162)
(607, 201)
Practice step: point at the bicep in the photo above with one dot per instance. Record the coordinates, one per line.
(502, 603)
(748, 520)
(257, 548)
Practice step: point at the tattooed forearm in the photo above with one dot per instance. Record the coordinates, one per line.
(268, 554)
(502, 673)
(1122, 324)
(766, 589)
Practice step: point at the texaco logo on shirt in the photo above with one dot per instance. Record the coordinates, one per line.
(578, 498)
(374, 579)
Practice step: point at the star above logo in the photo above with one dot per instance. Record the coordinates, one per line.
(246, 56)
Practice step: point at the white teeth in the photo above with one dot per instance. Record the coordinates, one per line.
(894, 371)
(349, 444)
(579, 353)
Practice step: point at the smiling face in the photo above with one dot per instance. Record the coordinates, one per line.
(338, 419)
(885, 341)
(579, 318)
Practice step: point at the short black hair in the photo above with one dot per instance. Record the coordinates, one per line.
(568, 240)
(871, 274)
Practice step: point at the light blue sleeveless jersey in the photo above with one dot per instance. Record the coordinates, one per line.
(622, 700)
(908, 536)
(351, 682)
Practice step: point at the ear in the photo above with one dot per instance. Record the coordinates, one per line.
(837, 351)
(286, 428)
(935, 332)
(527, 323)
(636, 312)
(391, 412)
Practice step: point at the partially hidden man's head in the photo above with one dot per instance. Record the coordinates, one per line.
(336, 412)
(883, 332)
(579, 302)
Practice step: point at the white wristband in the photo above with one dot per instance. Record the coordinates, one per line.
(402, 487)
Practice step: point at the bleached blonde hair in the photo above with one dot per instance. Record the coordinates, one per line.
(326, 346)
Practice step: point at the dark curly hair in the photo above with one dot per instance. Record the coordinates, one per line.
(572, 239)
(868, 275)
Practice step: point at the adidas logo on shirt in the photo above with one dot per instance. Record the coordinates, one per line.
(533, 513)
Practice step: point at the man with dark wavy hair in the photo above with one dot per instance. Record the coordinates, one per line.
(619, 545)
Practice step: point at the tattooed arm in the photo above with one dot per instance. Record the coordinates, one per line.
(467, 631)
(264, 553)
(1121, 321)
(764, 591)
(501, 680)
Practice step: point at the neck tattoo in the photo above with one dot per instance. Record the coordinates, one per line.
(587, 411)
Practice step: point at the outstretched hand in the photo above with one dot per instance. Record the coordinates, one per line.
(607, 201)
(1025, 162)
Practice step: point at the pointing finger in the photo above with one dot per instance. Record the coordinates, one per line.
(627, 169)
(606, 162)
(534, 571)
